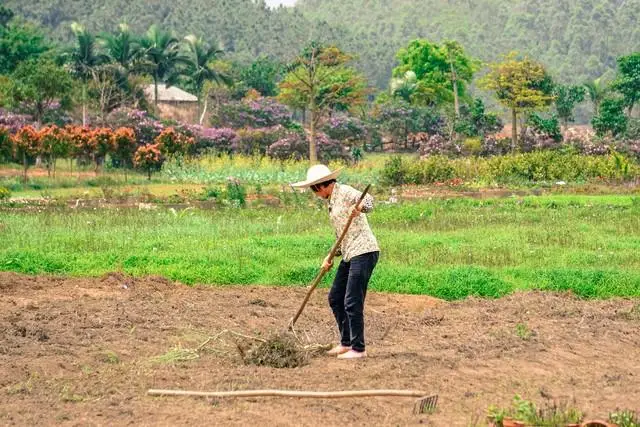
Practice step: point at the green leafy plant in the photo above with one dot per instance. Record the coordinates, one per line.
(550, 415)
(625, 418)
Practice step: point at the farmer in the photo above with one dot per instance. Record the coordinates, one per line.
(359, 251)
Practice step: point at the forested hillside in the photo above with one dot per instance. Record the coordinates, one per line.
(577, 39)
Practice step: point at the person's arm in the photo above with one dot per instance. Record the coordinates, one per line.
(367, 203)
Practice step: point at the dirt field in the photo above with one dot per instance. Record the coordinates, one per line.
(81, 352)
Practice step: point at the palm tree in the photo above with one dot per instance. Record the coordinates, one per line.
(161, 57)
(199, 68)
(122, 48)
(84, 59)
(596, 90)
(405, 86)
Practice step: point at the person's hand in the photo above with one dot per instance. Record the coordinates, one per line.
(327, 263)
(355, 210)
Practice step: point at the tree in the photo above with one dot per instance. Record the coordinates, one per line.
(37, 84)
(566, 99)
(160, 50)
(319, 80)
(84, 59)
(628, 80)
(26, 143)
(262, 75)
(610, 118)
(199, 69)
(597, 90)
(441, 72)
(522, 85)
(121, 48)
(18, 42)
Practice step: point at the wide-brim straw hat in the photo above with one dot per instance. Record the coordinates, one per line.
(317, 174)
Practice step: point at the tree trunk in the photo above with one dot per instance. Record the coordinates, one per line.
(84, 104)
(25, 164)
(456, 101)
(313, 153)
(204, 109)
(149, 174)
(155, 91)
(514, 127)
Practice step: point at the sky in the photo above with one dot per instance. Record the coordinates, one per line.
(277, 2)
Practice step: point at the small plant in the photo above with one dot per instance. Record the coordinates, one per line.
(625, 418)
(5, 193)
(551, 415)
(236, 192)
(110, 357)
(523, 332)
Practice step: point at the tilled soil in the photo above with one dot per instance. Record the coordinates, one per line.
(85, 351)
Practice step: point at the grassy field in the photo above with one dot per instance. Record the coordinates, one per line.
(445, 248)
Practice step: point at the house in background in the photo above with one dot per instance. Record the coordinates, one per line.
(173, 103)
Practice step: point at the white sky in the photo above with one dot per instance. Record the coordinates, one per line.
(277, 2)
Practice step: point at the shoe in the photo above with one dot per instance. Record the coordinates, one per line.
(338, 350)
(352, 354)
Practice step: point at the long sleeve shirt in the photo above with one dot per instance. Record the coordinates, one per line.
(359, 239)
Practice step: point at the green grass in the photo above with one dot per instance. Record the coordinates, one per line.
(446, 248)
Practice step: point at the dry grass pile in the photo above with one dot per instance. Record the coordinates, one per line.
(281, 350)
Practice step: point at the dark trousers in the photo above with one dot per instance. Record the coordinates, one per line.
(347, 295)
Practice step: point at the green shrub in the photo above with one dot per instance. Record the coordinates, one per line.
(236, 193)
(5, 193)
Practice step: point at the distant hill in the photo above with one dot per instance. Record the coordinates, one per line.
(577, 39)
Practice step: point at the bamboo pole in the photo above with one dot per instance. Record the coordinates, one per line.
(290, 393)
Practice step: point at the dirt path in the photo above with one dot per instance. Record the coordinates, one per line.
(79, 352)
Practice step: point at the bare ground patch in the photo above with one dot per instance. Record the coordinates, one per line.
(85, 351)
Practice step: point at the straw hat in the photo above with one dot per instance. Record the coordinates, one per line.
(316, 175)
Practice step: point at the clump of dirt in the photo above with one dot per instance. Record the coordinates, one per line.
(281, 350)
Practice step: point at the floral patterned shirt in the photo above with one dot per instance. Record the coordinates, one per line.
(359, 239)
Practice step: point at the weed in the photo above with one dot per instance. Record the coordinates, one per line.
(67, 394)
(24, 387)
(550, 415)
(625, 418)
(523, 332)
(110, 357)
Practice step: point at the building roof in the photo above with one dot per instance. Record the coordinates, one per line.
(171, 94)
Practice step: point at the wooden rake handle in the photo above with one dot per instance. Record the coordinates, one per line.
(332, 253)
(290, 393)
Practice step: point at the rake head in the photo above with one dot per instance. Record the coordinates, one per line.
(426, 405)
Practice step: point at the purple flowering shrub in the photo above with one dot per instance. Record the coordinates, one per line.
(221, 140)
(257, 113)
(434, 145)
(493, 146)
(14, 122)
(257, 141)
(291, 146)
(345, 128)
(145, 127)
(331, 149)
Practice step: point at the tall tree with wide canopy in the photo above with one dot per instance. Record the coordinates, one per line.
(320, 80)
(522, 85)
(441, 72)
(628, 80)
